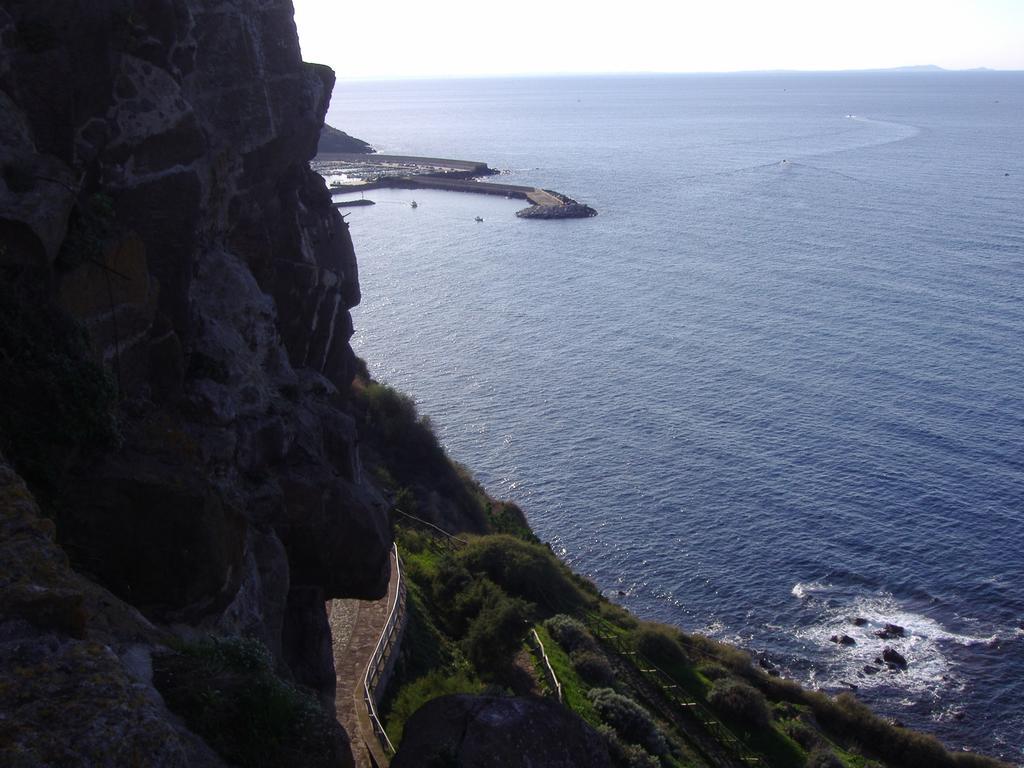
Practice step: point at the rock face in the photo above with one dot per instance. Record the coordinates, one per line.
(493, 732)
(70, 691)
(332, 140)
(154, 185)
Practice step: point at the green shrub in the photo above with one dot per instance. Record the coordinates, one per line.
(402, 451)
(475, 597)
(617, 615)
(495, 634)
(626, 755)
(802, 734)
(406, 439)
(854, 722)
(450, 579)
(593, 667)
(822, 757)
(424, 648)
(660, 644)
(506, 517)
(227, 692)
(570, 633)
(781, 689)
(713, 671)
(523, 569)
(631, 722)
(740, 703)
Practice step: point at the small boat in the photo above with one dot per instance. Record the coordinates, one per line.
(413, 204)
(478, 218)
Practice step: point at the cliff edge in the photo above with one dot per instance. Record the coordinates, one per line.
(174, 326)
(182, 422)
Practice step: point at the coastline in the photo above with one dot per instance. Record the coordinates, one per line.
(413, 172)
(482, 384)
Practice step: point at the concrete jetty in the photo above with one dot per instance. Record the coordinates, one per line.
(412, 172)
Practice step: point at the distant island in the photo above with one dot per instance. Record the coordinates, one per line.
(910, 69)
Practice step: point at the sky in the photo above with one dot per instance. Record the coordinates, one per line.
(474, 38)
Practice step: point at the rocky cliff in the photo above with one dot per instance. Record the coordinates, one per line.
(174, 327)
(333, 140)
(181, 486)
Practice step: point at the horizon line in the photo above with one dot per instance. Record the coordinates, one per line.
(917, 69)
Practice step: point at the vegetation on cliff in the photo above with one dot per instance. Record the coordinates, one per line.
(158, 197)
(658, 696)
(227, 692)
(402, 453)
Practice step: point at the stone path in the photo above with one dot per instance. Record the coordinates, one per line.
(355, 629)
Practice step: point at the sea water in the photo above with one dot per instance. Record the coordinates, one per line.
(776, 384)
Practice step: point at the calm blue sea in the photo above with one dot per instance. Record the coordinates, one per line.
(777, 383)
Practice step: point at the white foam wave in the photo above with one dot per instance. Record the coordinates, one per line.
(805, 589)
(930, 671)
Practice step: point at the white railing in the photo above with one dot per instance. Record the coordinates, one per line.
(449, 536)
(548, 669)
(378, 666)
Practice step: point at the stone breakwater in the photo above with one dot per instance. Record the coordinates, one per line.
(554, 205)
(408, 172)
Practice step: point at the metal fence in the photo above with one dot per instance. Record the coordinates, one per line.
(673, 692)
(382, 660)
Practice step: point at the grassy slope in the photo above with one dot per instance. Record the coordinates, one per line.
(473, 601)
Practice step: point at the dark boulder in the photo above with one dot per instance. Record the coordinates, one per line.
(843, 640)
(764, 662)
(894, 658)
(890, 631)
(499, 732)
(858, 621)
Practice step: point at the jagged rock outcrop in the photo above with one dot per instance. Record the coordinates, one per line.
(154, 185)
(75, 688)
(332, 140)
